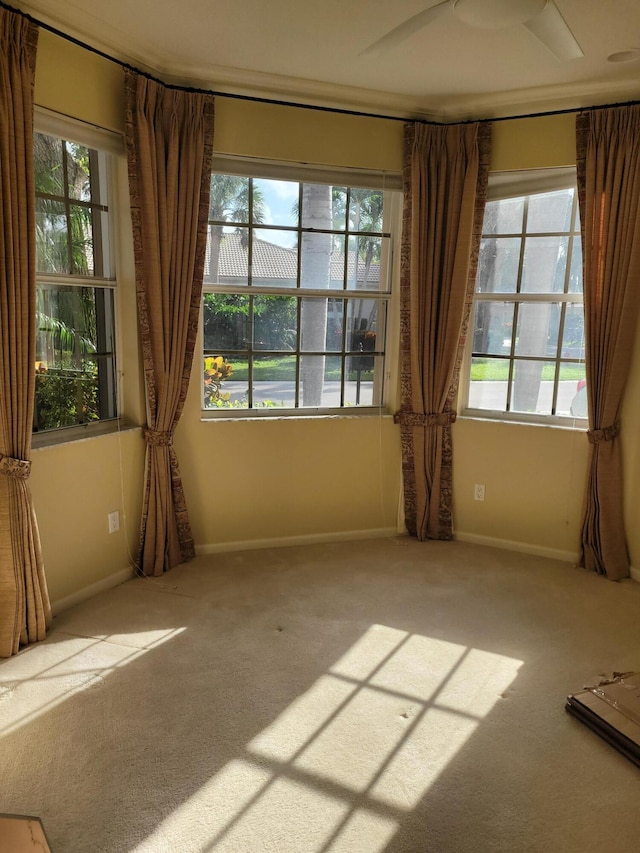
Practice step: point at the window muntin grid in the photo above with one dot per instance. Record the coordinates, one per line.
(278, 290)
(527, 345)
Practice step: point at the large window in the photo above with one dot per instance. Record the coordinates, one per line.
(296, 296)
(75, 353)
(527, 359)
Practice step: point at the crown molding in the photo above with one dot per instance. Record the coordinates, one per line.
(331, 96)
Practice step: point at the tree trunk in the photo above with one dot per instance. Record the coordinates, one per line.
(316, 261)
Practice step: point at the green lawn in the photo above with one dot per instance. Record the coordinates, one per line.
(499, 371)
(283, 370)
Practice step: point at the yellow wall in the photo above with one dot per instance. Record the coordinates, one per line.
(251, 482)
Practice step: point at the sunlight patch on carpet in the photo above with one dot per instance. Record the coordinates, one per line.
(68, 666)
(338, 770)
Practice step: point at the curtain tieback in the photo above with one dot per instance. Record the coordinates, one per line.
(158, 438)
(19, 469)
(418, 420)
(595, 436)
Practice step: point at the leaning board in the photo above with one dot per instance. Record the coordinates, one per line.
(612, 710)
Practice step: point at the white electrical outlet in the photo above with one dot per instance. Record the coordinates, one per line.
(114, 521)
(478, 492)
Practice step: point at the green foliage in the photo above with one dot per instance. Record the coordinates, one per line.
(65, 398)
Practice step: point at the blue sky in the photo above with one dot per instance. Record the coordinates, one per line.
(279, 199)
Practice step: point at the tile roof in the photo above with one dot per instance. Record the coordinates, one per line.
(275, 263)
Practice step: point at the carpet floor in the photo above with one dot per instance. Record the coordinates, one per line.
(385, 696)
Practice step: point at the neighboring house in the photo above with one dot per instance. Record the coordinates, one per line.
(277, 266)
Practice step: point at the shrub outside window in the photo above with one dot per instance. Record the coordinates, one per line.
(75, 349)
(527, 344)
(296, 297)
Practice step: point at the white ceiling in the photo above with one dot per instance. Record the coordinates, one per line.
(310, 52)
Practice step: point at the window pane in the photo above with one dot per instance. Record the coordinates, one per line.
(488, 386)
(544, 266)
(503, 216)
(364, 263)
(320, 381)
(81, 233)
(47, 162)
(226, 322)
(65, 397)
(317, 206)
(274, 381)
(52, 240)
(227, 257)
(78, 171)
(275, 202)
(75, 367)
(337, 272)
(498, 265)
(273, 262)
(363, 326)
(363, 387)
(493, 327)
(575, 277)
(550, 211)
(532, 387)
(573, 333)
(314, 325)
(225, 382)
(275, 322)
(229, 199)
(335, 320)
(365, 210)
(338, 208)
(572, 391)
(315, 262)
(538, 326)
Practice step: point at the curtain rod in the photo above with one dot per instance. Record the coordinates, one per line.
(281, 103)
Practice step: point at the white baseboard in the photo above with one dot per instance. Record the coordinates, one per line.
(634, 574)
(89, 591)
(520, 547)
(289, 541)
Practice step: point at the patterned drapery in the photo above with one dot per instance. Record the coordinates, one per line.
(608, 166)
(446, 171)
(25, 612)
(169, 136)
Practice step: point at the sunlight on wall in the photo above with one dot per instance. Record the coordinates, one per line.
(346, 761)
(68, 667)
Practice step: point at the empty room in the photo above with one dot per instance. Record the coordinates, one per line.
(319, 407)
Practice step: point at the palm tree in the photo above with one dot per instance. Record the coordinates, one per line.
(231, 200)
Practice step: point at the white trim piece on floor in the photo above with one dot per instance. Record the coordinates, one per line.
(306, 539)
(520, 547)
(87, 592)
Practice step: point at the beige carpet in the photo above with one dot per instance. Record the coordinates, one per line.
(354, 698)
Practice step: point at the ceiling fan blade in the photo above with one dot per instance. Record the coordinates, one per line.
(406, 29)
(554, 33)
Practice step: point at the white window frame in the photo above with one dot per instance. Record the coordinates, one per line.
(390, 183)
(110, 148)
(514, 184)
